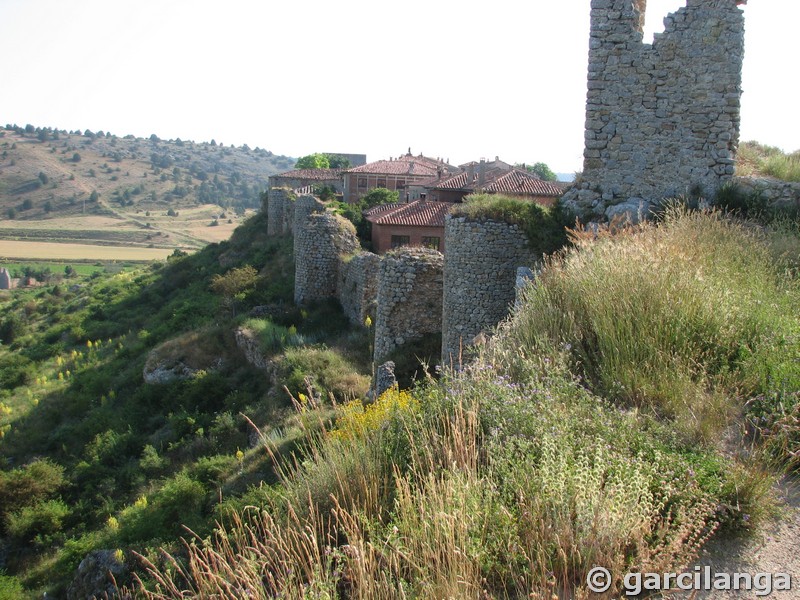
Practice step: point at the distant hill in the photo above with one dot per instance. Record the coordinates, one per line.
(566, 177)
(48, 175)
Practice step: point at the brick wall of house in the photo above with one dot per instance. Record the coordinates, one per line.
(382, 236)
(357, 185)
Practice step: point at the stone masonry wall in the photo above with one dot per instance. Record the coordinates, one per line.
(663, 119)
(409, 304)
(304, 207)
(319, 246)
(776, 193)
(357, 286)
(480, 272)
(280, 211)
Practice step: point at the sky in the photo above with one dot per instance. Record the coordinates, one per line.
(448, 79)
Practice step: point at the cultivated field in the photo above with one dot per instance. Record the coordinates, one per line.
(54, 251)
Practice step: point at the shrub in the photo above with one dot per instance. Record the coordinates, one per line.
(544, 227)
(10, 588)
(272, 337)
(39, 520)
(25, 486)
(356, 420)
(15, 370)
(325, 370)
(179, 502)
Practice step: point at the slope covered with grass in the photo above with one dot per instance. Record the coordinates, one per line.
(93, 458)
(587, 433)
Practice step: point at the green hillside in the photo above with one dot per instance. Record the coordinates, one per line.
(98, 188)
(640, 400)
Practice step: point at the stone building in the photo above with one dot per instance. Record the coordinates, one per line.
(662, 119)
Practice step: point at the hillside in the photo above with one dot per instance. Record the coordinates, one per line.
(587, 433)
(92, 457)
(101, 189)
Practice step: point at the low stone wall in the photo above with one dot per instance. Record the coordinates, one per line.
(410, 289)
(777, 193)
(319, 246)
(480, 273)
(357, 286)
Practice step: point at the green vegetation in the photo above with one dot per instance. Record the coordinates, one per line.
(313, 161)
(515, 476)
(541, 170)
(47, 269)
(92, 458)
(544, 227)
(354, 212)
(757, 159)
(322, 161)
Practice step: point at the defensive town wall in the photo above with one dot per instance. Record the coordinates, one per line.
(280, 211)
(357, 286)
(319, 245)
(662, 119)
(409, 303)
(480, 277)
(407, 293)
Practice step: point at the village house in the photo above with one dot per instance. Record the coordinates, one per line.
(395, 174)
(417, 223)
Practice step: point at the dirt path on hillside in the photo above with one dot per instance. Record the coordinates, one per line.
(774, 549)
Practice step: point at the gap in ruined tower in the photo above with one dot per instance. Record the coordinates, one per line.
(655, 13)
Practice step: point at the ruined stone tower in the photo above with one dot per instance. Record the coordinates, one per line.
(662, 119)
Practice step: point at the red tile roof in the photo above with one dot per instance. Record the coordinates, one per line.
(518, 181)
(501, 181)
(420, 213)
(405, 165)
(395, 167)
(318, 174)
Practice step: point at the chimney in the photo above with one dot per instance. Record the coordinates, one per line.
(482, 173)
(470, 173)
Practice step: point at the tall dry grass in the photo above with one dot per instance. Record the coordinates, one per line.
(663, 317)
(512, 478)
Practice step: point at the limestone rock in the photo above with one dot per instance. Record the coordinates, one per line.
(634, 210)
(96, 575)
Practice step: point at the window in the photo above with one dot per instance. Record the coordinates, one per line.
(401, 183)
(381, 183)
(400, 240)
(362, 182)
(431, 242)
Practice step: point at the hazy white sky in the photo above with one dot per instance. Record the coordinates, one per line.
(448, 78)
